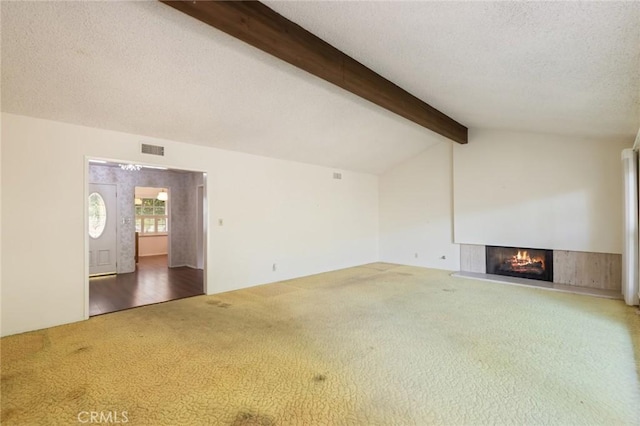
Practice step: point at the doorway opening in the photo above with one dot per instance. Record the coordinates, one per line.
(152, 230)
(157, 221)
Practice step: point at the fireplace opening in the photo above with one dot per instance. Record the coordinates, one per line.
(536, 264)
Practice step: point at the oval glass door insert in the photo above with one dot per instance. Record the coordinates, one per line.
(97, 215)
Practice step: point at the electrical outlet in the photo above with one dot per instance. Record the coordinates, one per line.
(443, 257)
(220, 222)
(415, 255)
(274, 267)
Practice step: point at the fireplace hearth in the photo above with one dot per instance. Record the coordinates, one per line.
(536, 264)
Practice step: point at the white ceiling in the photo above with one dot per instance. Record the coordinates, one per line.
(145, 68)
(553, 67)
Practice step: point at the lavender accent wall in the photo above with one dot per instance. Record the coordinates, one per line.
(182, 200)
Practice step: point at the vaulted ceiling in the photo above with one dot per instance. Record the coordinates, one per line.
(142, 67)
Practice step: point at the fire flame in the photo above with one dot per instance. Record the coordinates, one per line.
(523, 258)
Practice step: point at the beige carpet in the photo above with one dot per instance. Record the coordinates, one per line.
(378, 344)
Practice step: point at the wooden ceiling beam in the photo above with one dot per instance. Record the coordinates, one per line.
(262, 27)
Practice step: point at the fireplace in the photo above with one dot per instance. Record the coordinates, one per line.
(536, 264)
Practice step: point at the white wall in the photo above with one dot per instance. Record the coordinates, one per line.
(152, 245)
(416, 213)
(0, 219)
(503, 188)
(540, 191)
(273, 211)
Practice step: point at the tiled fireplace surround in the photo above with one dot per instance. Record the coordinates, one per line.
(601, 271)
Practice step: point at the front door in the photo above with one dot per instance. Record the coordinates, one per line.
(102, 229)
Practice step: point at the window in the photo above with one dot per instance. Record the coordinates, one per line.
(151, 216)
(97, 215)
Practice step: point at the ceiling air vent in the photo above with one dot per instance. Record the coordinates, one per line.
(152, 149)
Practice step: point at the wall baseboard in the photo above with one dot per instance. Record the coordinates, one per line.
(183, 265)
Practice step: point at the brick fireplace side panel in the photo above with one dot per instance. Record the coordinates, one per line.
(594, 270)
(473, 258)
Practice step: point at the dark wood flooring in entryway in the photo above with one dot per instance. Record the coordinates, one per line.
(153, 282)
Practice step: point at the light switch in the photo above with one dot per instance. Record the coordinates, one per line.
(220, 222)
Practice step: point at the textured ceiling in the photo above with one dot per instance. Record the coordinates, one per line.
(145, 68)
(552, 67)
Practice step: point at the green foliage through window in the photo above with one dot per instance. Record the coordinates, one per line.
(151, 216)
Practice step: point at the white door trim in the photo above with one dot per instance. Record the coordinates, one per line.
(200, 226)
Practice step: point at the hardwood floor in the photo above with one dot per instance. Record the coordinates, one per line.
(152, 283)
